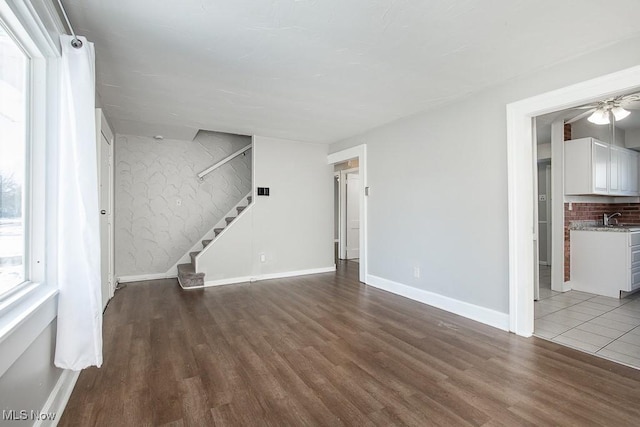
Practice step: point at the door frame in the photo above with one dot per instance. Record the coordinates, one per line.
(520, 164)
(359, 152)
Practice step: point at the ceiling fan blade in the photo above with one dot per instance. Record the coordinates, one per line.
(580, 116)
(586, 107)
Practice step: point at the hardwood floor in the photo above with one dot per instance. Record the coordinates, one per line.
(328, 350)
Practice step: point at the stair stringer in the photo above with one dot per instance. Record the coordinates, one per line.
(209, 235)
(229, 258)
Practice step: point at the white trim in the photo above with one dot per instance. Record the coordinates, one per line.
(59, 398)
(520, 177)
(359, 152)
(143, 277)
(297, 273)
(470, 311)
(244, 279)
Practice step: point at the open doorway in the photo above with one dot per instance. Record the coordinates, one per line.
(521, 166)
(350, 195)
(598, 205)
(347, 196)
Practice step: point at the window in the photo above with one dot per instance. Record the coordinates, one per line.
(13, 162)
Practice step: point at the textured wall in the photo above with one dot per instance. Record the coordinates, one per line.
(161, 207)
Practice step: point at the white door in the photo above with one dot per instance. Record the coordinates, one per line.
(353, 216)
(105, 183)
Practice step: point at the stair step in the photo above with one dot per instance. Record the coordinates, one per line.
(240, 209)
(188, 276)
(229, 219)
(206, 242)
(218, 230)
(249, 199)
(193, 257)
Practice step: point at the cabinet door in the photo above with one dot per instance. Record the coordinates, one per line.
(616, 170)
(601, 161)
(632, 173)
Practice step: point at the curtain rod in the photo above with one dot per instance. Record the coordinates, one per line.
(77, 43)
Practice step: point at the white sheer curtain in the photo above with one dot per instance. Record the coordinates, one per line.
(79, 340)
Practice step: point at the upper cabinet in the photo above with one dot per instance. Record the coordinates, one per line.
(596, 167)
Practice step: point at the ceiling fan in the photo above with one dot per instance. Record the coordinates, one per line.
(611, 109)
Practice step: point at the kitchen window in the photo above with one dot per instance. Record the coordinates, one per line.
(14, 76)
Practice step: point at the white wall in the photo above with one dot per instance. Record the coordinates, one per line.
(632, 138)
(26, 385)
(584, 128)
(292, 227)
(447, 168)
(161, 206)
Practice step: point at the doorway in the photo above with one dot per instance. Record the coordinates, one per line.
(347, 209)
(521, 163)
(350, 167)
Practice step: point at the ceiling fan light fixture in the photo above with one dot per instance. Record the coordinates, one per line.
(619, 113)
(599, 117)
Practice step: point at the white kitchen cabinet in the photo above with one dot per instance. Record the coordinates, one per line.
(615, 166)
(605, 262)
(630, 184)
(596, 167)
(623, 172)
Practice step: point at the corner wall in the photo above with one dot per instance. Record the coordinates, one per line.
(292, 227)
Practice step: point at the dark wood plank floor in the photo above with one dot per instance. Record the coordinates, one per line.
(328, 350)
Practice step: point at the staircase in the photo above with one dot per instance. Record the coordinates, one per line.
(187, 275)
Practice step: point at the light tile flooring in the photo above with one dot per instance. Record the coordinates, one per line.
(604, 326)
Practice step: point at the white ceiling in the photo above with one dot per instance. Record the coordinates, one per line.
(322, 70)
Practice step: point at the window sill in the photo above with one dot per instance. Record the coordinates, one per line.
(23, 317)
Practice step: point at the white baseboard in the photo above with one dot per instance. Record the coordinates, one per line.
(233, 280)
(58, 398)
(228, 281)
(461, 308)
(297, 273)
(141, 277)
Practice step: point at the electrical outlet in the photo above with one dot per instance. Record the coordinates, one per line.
(416, 272)
(263, 258)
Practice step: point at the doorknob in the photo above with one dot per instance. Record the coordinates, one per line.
(103, 212)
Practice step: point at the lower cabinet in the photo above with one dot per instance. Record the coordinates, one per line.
(605, 262)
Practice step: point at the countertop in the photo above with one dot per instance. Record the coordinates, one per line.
(622, 228)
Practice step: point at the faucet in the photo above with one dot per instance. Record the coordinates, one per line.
(606, 219)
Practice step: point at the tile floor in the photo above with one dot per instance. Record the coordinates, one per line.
(604, 326)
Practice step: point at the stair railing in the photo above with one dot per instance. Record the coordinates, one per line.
(232, 156)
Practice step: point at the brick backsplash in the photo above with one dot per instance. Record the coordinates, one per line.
(593, 212)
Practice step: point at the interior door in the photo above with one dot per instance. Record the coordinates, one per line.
(106, 241)
(353, 215)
